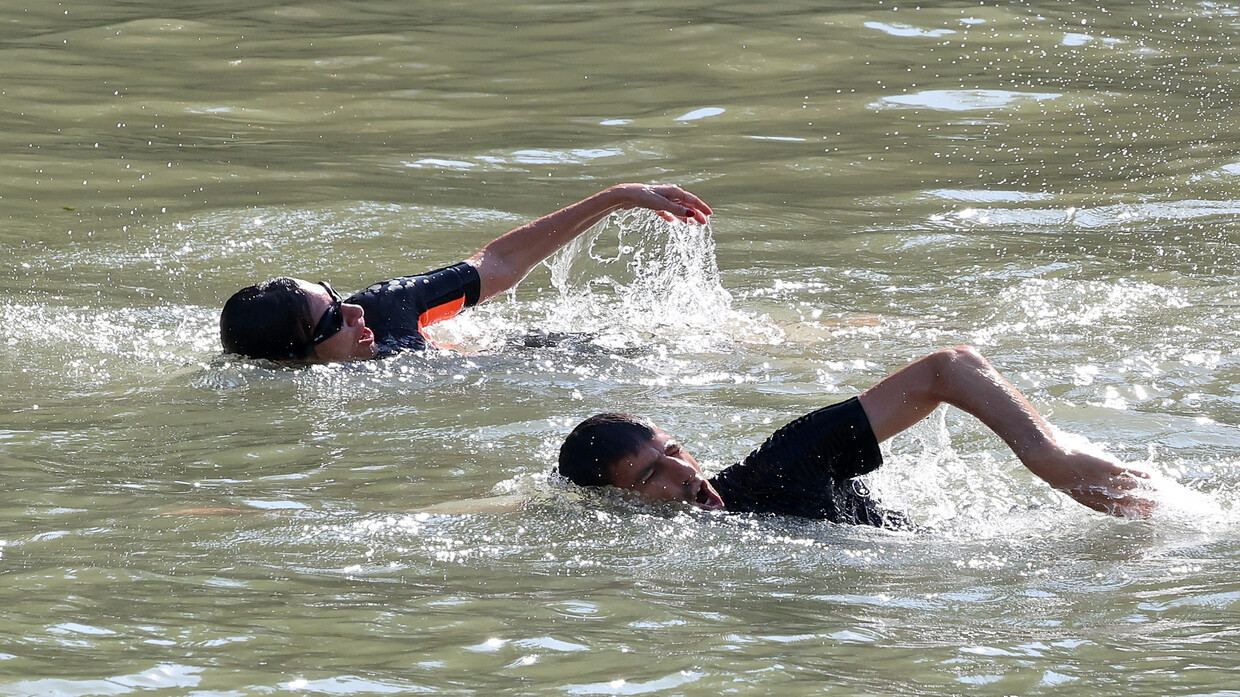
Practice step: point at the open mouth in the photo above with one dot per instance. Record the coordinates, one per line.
(707, 498)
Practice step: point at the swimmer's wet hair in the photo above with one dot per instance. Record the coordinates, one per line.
(267, 320)
(600, 442)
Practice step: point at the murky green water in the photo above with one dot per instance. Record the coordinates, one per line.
(1051, 182)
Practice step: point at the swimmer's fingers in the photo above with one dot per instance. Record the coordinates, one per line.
(1127, 495)
(1133, 506)
(1100, 483)
(670, 202)
(689, 215)
(1134, 493)
(675, 194)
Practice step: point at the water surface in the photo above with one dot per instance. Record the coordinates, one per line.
(1052, 184)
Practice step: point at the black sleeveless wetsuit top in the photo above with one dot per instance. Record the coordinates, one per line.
(399, 309)
(807, 469)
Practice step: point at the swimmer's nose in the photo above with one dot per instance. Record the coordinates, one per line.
(352, 313)
(691, 475)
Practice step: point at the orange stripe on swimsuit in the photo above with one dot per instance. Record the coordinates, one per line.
(440, 313)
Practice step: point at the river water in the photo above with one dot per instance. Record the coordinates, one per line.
(1050, 182)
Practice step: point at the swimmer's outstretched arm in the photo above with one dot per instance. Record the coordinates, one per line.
(504, 262)
(963, 378)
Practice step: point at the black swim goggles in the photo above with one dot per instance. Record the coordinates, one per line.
(332, 320)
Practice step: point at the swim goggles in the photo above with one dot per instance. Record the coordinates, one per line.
(332, 320)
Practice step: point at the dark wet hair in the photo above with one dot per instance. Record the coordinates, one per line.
(267, 320)
(599, 442)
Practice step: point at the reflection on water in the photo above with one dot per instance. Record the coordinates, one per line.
(964, 100)
(1053, 184)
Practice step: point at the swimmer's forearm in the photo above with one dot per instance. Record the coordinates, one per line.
(505, 261)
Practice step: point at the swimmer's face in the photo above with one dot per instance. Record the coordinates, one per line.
(661, 470)
(354, 342)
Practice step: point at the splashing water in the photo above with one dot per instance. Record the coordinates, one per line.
(987, 493)
(632, 279)
(650, 277)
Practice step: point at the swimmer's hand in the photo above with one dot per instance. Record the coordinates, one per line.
(1099, 483)
(507, 259)
(668, 201)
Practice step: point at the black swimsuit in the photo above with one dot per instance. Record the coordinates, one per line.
(807, 469)
(398, 310)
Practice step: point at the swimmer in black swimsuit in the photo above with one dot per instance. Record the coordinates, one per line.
(288, 319)
(808, 467)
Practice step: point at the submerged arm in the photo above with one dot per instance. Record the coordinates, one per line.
(505, 261)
